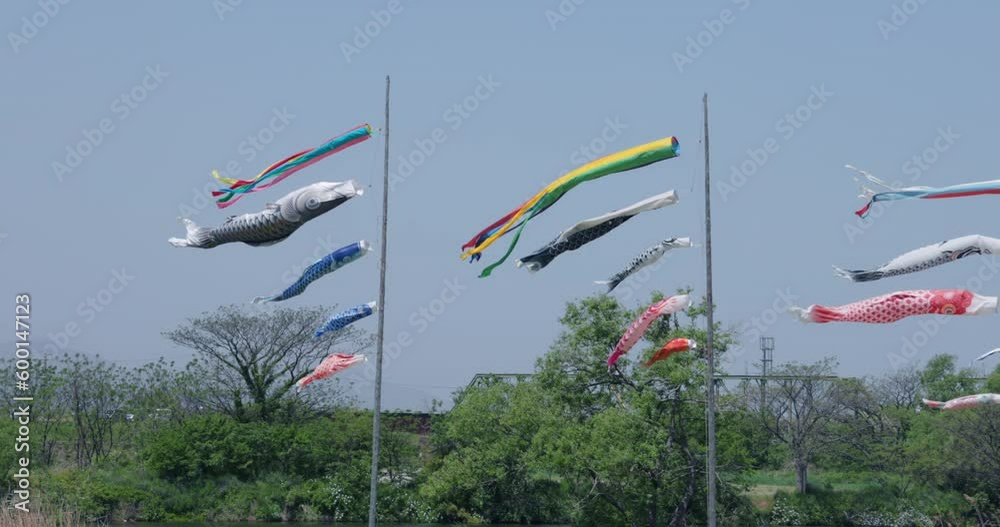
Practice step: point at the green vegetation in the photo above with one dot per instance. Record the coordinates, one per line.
(226, 439)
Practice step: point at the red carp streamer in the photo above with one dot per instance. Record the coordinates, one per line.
(967, 401)
(332, 364)
(668, 349)
(895, 306)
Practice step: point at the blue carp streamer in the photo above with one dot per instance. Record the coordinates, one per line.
(321, 267)
(345, 318)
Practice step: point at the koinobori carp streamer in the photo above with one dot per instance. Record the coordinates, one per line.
(332, 364)
(589, 230)
(276, 222)
(644, 259)
(891, 193)
(630, 338)
(926, 258)
(321, 267)
(273, 174)
(668, 349)
(987, 354)
(895, 306)
(625, 160)
(345, 318)
(968, 401)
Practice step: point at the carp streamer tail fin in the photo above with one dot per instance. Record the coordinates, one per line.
(195, 237)
(858, 275)
(612, 284)
(933, 404)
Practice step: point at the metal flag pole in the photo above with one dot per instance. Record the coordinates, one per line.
(709, 350)
(377, 412)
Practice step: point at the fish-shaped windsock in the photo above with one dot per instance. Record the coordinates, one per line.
(980, 188)
(645, 258)
(323, 266)
(591, 229)
(668, 349)
(671, 304)
(987, 354)
(968, 401)
(629, 159)
(345, 318)
(334, 363)
(926, 257)
(276, 222)
(895, 306)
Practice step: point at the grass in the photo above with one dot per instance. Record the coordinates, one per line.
(38, 517)
(765, 484)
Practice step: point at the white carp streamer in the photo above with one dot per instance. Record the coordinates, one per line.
(276, 222)
(644, 259)
(987, 354)
(926, 257)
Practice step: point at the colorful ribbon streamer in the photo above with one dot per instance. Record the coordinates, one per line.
(273, 174)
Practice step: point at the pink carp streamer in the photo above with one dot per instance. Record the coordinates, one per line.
(967, 401)
(334, 363)
(671, 304)
(668, 349)
(895, 306)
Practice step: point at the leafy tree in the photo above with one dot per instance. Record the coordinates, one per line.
(943, 381)
(622, 447)
(250, 360)
(800, 409)
(484, 469)
(96, 393)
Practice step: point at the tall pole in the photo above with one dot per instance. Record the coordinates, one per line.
(709, 350)
(377, 417)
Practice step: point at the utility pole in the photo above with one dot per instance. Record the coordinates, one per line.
(709, 350)
(377, 417)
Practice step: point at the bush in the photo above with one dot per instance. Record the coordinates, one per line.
(104, 497)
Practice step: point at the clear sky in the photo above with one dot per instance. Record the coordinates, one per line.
(178, 87)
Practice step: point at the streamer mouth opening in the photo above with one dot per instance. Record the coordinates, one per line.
(676, 145)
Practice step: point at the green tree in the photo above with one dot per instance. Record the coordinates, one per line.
(250, 360)
(799, 409)
(621, 447)
(943, 381)
(483, 469)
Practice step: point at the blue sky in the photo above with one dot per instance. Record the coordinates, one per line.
(161, 93)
